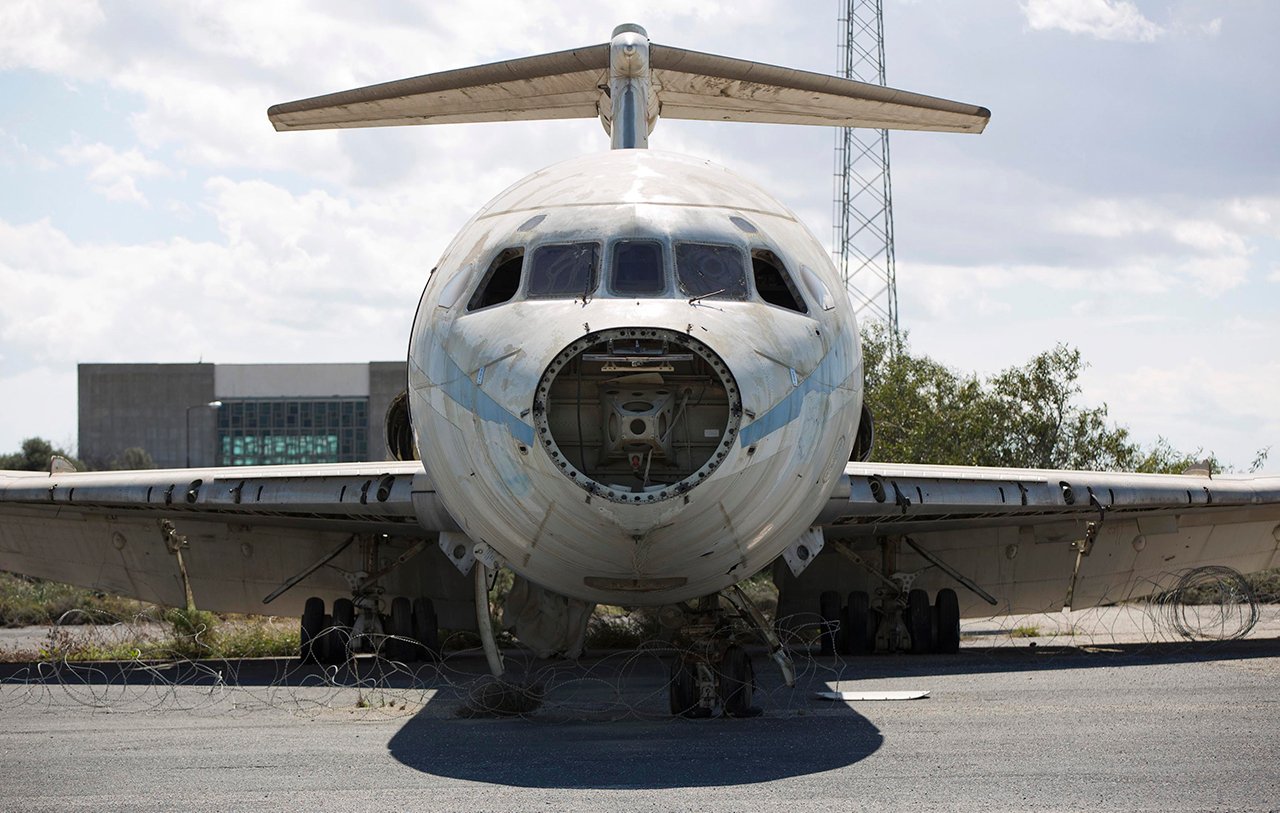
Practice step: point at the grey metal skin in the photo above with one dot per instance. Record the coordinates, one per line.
(1023, 536)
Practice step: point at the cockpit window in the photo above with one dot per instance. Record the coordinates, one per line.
(709, 271)
(564, 270)
(501, 281)
(637, 268)
(774, 284)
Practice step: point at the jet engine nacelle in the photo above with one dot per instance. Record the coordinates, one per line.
(864, 441)
(399, 429)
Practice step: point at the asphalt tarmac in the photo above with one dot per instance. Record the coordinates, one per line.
(1148, 726)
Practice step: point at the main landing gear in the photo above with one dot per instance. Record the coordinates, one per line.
(409, 632)
(712, 669)
(900, 617)
(910, 624)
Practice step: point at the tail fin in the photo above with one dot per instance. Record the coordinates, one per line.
(591, 81)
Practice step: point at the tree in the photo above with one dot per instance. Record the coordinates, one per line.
(35, 456)
(1023, 417)
(135, 457)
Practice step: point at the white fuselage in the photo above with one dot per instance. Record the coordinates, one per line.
(624, 447)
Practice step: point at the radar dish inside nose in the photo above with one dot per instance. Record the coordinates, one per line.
(637, 415)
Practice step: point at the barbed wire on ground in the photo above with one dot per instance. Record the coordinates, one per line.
(1202, 604)
(163, 672)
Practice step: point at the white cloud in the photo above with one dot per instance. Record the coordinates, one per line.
(112, 173)
(1202, 403)
(47, 36)
(14, 153)
(1104, 19)
(1205, 242)
(1257, 215)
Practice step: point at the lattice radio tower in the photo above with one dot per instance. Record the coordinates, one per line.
(863, 213)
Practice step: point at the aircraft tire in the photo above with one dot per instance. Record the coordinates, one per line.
(859, 635)
(682, 689)
(344, 618)
(829, 609)
(426, 628)
(326, 646)
(737, 683)
(398, 648)
(947, 610)
(312, 625)
(919, 618)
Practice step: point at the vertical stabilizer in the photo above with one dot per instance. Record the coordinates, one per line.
(633, 106)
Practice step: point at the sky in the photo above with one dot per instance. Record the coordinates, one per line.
(1124, 200)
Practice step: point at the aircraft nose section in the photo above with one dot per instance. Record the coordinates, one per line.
(637, 414)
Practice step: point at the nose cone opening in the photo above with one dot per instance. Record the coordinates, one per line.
(637, 415)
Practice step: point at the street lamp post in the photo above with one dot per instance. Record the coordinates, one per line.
(210, 405)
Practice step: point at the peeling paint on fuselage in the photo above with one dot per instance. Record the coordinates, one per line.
(799, 375)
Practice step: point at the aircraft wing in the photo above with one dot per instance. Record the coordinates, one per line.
(1039, 540)
(243, 531)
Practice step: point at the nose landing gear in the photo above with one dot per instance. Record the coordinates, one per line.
(712, 669)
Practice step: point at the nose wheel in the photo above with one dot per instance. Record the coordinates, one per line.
(700, 684)
(713, 671)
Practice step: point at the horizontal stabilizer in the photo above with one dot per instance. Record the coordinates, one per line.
(575, 83)
(694, 85)
(563, 85)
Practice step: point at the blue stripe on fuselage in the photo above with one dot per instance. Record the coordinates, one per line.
(462, 388)
(821, 380)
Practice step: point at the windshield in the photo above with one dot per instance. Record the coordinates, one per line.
(711, 271)
(564, 270)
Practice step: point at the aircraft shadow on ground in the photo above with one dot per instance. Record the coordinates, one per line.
(634, 753)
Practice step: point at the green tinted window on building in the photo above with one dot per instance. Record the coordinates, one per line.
(273, 431)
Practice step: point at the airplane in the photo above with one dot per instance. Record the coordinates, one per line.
(634, 378)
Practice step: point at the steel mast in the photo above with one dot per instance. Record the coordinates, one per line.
(862, 221)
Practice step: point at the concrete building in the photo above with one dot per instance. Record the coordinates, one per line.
(236, 414)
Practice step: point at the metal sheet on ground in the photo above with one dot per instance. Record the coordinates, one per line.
(910, 694)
